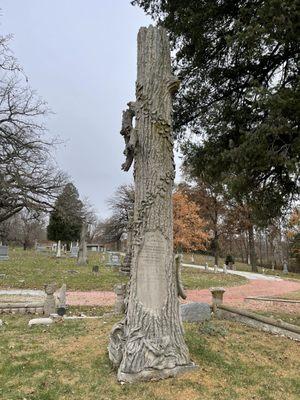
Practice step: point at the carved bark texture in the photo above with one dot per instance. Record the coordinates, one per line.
(148, 343)
(126, 264)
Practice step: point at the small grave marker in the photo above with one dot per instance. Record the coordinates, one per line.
(114, 260)
(40, 248)
(95, 269)
(4, 252)
(74, 252)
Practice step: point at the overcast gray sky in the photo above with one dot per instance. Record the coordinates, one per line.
(80, 56)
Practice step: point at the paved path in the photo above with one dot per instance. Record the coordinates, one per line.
(233, 295)
(248, 275)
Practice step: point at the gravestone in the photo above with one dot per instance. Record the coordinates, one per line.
(217, 296)
(215, 269)
(4, 252)
(285, 267)
(149, 344)
(225, 269)
(120, 291)
(206, 267)
(40, 248)
(114, 260)
(195, 312)
(74, 252)
(95, 269)
(61, 296)
(58, 249)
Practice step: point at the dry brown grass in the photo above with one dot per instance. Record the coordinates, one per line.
(69, 361)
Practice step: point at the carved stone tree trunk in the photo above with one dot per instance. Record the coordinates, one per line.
(82, 251)
(148, 343)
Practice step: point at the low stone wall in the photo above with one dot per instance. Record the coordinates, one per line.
(22, 308)
(46, 305)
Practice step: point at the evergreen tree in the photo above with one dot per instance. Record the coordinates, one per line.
(238, 62)
(66, 219)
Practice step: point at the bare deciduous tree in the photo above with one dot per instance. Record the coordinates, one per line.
(28, 177)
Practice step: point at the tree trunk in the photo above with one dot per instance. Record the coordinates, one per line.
(216, 247)
(267, 249)
(260, 251)
(82, 251)
(252, 249)
(149, 343)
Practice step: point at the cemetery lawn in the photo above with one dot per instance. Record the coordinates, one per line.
(193, 278)
(201, 259)
(69, 360)
(31, 270)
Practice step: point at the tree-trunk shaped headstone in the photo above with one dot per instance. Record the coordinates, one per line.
(148, 343)
(82, 251)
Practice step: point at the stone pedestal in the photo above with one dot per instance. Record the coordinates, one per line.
(49, 305)
(217, 297)
(120, 291)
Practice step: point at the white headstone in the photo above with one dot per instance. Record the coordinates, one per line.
(225, 269)
(74, 252)
(58, 253)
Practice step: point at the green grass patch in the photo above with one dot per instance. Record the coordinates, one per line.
(28, 269)
(290, 296)
(193, 278)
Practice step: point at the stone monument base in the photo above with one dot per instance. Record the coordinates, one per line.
(156, 374)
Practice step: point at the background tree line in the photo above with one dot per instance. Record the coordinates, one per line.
(238, 62)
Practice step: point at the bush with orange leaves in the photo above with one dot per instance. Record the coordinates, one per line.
(189, 227)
